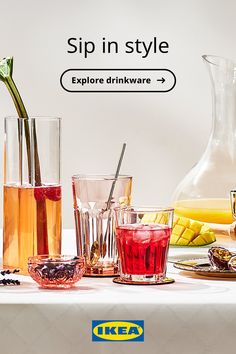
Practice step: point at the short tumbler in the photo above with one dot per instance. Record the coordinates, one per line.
(94, 219)
(143, 236)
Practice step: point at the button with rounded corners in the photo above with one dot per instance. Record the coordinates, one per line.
(118, 80)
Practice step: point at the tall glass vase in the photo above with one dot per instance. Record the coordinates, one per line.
(204, 193)
(32, 190)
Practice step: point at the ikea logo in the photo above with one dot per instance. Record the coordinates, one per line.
(104, 331)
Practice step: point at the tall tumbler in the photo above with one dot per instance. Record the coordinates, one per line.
(94, 219)
(32, 190)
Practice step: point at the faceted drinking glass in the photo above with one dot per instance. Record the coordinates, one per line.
(94, 219)
(142, 236)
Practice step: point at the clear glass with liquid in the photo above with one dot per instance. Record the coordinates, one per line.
(32, 190)
(204, 193)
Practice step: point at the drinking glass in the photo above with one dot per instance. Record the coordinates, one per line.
(32, 190)
(143, 236)
(94, 219)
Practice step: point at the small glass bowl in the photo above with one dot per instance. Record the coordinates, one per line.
(56, 271)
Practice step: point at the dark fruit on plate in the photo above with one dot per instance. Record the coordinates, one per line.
(219, 257)
(232, 263)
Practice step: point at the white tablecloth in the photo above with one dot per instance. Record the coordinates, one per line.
(193, 315)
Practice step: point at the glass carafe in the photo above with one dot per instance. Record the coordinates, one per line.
(204, 193)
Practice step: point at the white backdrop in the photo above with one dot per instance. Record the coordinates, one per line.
(165, 133)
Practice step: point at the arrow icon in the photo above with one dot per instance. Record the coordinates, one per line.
(162, 80)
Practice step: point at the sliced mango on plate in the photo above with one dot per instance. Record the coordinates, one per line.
(185, 231)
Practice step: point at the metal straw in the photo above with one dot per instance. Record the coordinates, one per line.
(109, 201)
(116, 177)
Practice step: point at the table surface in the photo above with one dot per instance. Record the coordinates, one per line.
(189, 316)
(187, 289)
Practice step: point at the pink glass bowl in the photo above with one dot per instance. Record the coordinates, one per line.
(56, 271)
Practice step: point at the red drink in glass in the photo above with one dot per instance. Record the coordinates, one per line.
(142, 236)
(143, 248)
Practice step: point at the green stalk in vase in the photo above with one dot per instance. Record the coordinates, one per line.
(6, 70)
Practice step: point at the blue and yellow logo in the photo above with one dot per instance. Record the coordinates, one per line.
(114, 331)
